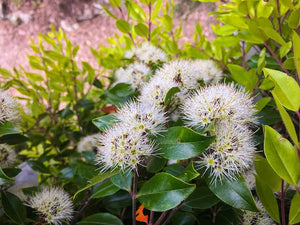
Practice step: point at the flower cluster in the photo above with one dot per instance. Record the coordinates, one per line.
(9, 108)
(126, 144)
(53, 204)
(7, 156)
(230, 111)
(257, 218)
(147, 53)
(135, 74)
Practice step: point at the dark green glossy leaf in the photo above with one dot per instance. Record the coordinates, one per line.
(122, 180)
(101, 219)
(170, 94)
(104, 122)
(4, 179)
(8, 128)
(182, 143)
(105, 189)
(38, 166)
(163, 192)
(189, 173)
(13, 207)
(155, 164)
(97, 179)
(201, 198)
(13, 139)
(233, 192)
(281, 155)
(267, 198)
(183, 218)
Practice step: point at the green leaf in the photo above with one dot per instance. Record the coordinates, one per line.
(261, 62)
(101, 219)
(155, 164)
(182, 143)
(8, 128)
(267, 174)
(281, 155)
(38, 166)
(286, 89)
(156, 10)
(189, 173)
(135, 11)
(163, 192)
(201, 198)
(5, 73)
(109, 12)
(104, 122)
(233, 192)
(97, 179)
(4, 179)
(141, 30)
(115, 3)
(296, 49)
(170, 94)
(294, 216)
(267, 198)
(123, 180)
(13, 207)
(91, 72)
(105, 189)
(240, 75)
(294, 19)
(262, 103)
(286, 120)
(123, 26)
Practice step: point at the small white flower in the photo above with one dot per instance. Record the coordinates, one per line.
(122, 147)
(219, 102)
(206, 70)
(142, 118)
(250, 177)
(147, 53)
(154, 93)
(257, 218)
(135, 74)
(87, 143)
(232, 151)
(9, 108)
(7, 156)
(53, 204)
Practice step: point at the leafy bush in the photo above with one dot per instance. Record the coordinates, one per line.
(199, 133)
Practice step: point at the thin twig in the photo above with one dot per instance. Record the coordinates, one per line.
(149, 21)
(151, 217)
(172, 214)
(161, 218)
(276, 58)
(243, 55)
(279, 17)
(133, 197)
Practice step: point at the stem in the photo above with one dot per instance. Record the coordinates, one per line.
(244, 55)
(298, 190)
(298, 114)
(151, 217)
(133, 197)
(149, 21)
(172, 214)
(279, 18)
(278, 60)
(79, 214)
(282, 203)
(224, 67)
(161, 218)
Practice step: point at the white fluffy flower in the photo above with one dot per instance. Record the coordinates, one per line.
(190, 74)
(142, 118)
(135, 74)
(122, 147)
(53, 204)
(87, 143)
(257, 218)
(147, 53)
(232, 151)
(7, 156)
(154, 93)
(9, 108)
(219, 102)
(250, 177)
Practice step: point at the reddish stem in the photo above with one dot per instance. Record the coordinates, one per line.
(282, 203)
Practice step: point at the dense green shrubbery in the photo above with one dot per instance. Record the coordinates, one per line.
(161, 133)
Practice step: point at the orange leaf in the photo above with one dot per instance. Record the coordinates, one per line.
(140, 215)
